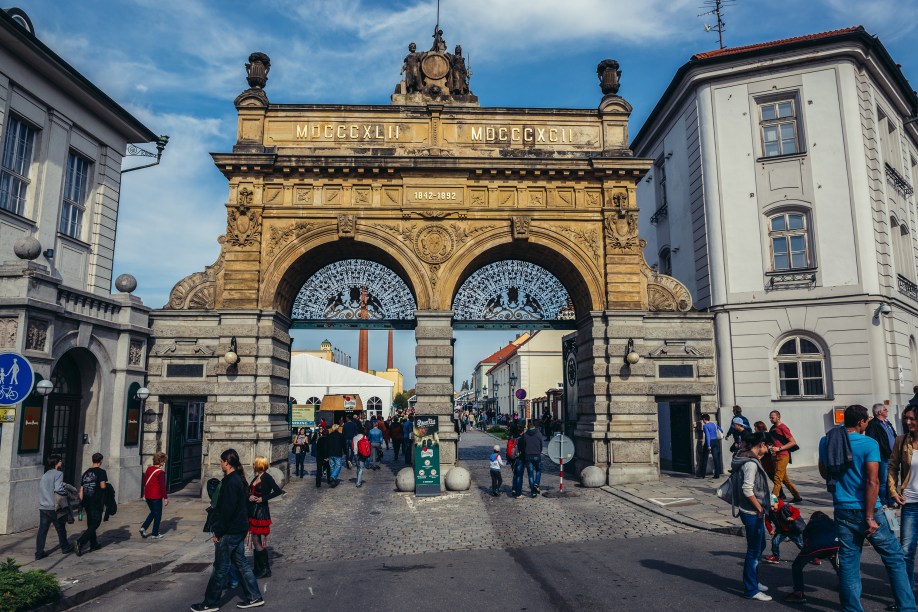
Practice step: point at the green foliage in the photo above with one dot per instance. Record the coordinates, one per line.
(400, 401)
(20, 591)
(499, 430)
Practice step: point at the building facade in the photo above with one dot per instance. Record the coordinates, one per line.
(60, 174)
(533, 364)
(781, 194)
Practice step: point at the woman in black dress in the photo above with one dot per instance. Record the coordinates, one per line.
(262, 488)
(320, 448)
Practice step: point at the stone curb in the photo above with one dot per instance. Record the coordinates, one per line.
(71, 601)
(673, 516)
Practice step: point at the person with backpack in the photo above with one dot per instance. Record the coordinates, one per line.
(376, 442)
(495, 464)
(515, 452)
(751, 496)
(156, 495)
(397, 434)
(532, 449)
(739, 427)
(362, 451)
(92, 496)
(819, 542)
(783, 443)
(784, 523)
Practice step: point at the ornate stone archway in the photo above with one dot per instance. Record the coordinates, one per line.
(434, 187)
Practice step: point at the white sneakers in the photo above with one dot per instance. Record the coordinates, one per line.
(760, 596)
(762, 587)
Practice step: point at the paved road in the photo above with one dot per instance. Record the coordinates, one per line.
(338, 549)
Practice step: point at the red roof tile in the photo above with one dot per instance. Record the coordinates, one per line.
(501, 354)
(774, 43)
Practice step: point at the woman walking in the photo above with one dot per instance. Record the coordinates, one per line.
(754, 500)
(156, 495)
(320, 448)
(262, 488)
(903, 488)
(300, 446)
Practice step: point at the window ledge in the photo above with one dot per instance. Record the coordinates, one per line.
(801, 278)
(804, 398)
(27, 223)
(765, 160)
(75, 241)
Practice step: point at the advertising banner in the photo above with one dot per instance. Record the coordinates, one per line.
(302, 415)
(426, 456)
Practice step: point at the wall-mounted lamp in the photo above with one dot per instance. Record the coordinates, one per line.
(668, 155)
(631, 357)
(883, 309)
(231, 357)
(44, 389)
(49, 253)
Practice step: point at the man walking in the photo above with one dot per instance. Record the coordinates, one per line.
(783, 440)
(349, 430)
(229, 530)
(711, 446)
(739, 427)
(92, 496)
(857, 516)
(880, 429)
(50, 484)
(532, 453)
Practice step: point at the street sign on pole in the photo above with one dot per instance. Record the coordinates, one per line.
(16, 378)
(561, 449)
(521, 394)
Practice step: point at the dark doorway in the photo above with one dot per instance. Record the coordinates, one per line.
(674, 418)
(63, 418)
(186, 431)
(175, 470)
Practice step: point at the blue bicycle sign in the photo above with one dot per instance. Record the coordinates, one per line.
(16, 378)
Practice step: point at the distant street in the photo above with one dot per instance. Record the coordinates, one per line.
(373, 549)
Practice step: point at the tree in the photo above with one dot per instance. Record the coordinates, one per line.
(400, 401)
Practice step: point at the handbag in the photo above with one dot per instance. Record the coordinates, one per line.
(258, 512)
(720, 433)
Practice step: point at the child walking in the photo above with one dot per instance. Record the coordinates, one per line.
(784, 522)
(819, 542)
(496, 479)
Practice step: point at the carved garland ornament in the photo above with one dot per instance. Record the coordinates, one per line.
(585, 238)
(243, 227)
(666, 294)
(197, 291)
(280, 237)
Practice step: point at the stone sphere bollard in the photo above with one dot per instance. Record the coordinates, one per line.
(404, 480)
(592, 477)
(458, 479)
(125, 283)
(278, 476)
(27, 247)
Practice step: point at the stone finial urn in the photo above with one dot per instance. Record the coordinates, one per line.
(609, 77)
(257, 70)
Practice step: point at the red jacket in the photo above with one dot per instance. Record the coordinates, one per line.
(154, 485)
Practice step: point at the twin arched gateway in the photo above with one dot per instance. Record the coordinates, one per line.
(430, 212)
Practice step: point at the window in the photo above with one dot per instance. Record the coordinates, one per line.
(374, 404)
(16, 163)
(779, 128)
(801, 371)
(660, 165)
(789, 242)
(903, 257)
(666, 261)
(75, 187)
(314, 402)
(195, 429)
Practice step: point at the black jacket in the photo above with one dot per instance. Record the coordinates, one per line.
(876, 431)
(232, 506)
(532, 442)
(110, 504)
(336, 445)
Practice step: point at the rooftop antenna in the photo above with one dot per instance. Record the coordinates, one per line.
(716, 8)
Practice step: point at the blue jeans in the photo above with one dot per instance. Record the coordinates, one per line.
(517, 485)
(534, 471)
(778, 538)
(155, 516)
(230, 550)
(851, 526)
(884, 489)
(46, 518)
(335, 463)
(755, 544)
(909, 538)
(715, 455)
(362, 464)
(300, 470)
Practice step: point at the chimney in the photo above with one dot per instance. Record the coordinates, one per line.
(389, 365)
(362, 352)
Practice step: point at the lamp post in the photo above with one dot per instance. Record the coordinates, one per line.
(511, 390)
(496, 397)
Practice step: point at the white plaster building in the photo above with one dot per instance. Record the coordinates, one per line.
(782, 196)
(535, 365)
(62, 143)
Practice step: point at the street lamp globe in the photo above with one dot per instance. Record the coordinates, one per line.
(143, 393)
(44, 387)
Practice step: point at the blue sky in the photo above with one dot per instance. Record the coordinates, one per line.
(177, 65)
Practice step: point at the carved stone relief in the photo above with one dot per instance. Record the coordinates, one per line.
(37, 335)
(622, 227)
(587, 239)
(281, 236)
(197, 291)
(8, 328)
(521, 227)
(135, 353)
(304, 195)
(243, 227)
(347, 226)
(434, 244)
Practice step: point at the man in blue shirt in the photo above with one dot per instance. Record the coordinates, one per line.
(857, 516)
(711, 445)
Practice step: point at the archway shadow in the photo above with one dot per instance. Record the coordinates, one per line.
(695, 574)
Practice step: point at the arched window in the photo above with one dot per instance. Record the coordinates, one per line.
(790, 242)
(666, 261)
(903, 253)
(314, 402)
(801, 368)
(374, 404)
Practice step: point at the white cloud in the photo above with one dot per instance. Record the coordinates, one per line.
(896, 18)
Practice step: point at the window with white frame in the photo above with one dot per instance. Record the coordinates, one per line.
(790, 241)
(801, 369)
(780, 127)
(903, 253)
(660, 167)
(314, 402)
(195, 419)
(374, 404)
(76, 185)
(18, 145)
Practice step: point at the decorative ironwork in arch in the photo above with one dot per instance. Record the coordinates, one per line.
(354, 289)
(512, 290)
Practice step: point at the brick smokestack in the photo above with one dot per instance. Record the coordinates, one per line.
(364, 338)
(389, 365)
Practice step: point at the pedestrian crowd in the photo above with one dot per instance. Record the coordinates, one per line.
(867, 468)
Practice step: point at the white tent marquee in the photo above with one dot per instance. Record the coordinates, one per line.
(313, 377)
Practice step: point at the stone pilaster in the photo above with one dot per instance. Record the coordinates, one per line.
(434, 372)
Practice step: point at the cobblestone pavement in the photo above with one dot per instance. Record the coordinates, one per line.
(322, 524)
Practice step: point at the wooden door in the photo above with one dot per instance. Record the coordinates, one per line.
(61, 433)
(680, 428)
(176, 462)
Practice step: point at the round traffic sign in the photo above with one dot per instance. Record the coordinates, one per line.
(16, 378)
(560, 446)
(521, 394)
